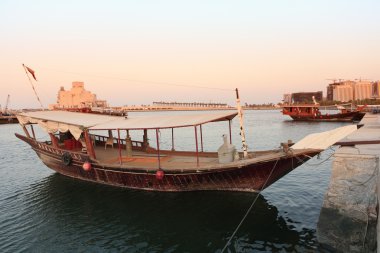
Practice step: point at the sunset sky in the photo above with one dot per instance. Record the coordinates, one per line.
(128, 52)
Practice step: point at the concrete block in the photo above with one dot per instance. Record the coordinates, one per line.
(348, 218)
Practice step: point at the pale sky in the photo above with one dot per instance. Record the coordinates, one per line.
(123, 50)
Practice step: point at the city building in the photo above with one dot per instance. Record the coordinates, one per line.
(362, 90)
(345, 91)
(375, 90)
(77, 97)
(307, 97)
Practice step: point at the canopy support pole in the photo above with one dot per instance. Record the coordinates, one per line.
(242, 132)
(158, 150)
(200, 128)
(173, 139)
(229, 125)
(25, 131)
(34, 135)
(90, 147)
(145, 140)
(196, 144)
(118, 143)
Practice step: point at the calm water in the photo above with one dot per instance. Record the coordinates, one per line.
(41, 211)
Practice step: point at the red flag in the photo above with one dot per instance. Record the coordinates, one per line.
(31, 71)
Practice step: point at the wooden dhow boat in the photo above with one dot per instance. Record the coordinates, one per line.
(78, 150)
(311, 112)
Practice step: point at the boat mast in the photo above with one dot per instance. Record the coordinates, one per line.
(242, 132)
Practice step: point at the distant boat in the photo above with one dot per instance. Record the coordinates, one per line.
(8, 119)
(311, 112)
(77, 149)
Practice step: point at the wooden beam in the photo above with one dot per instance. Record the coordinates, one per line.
(89, 146)
(158, 149)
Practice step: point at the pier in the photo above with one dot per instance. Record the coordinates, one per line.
(348, 220)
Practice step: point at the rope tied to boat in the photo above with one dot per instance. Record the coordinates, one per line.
(311, 164)
(250, 208)
(290, 152)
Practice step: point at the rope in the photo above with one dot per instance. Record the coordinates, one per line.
(145, 81)
(35, 92)
(315, 164)
(250, 208)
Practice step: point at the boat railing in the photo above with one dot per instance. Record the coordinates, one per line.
(103, 139)
(75, 152)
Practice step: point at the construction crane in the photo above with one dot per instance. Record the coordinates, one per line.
(6, 105)
(335, 80)
(362, 79)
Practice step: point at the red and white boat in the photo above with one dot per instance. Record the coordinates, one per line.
(312, 112)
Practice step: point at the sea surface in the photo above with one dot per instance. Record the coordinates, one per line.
(42, 211)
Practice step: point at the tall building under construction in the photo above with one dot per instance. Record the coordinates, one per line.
(345, 91)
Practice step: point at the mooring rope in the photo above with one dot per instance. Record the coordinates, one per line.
(313, 164)
(250, 208)
(262, 188)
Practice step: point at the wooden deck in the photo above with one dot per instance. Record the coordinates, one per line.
(172, 160)
(140, 159)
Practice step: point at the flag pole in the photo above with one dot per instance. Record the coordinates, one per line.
(31, 83)
(241, 121)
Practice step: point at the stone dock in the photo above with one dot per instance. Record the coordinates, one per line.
(348, 220)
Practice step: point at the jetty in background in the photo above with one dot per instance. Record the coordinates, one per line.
(7, 116)
(348, 220)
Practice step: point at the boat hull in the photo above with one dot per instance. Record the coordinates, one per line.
(341, 117)
(250, 177)
(8, 120)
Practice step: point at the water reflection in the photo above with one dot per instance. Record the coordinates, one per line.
(71, 215)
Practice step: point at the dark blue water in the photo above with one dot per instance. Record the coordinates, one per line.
(41, 211)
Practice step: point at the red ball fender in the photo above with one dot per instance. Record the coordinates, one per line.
(86, 166)
(160, 174)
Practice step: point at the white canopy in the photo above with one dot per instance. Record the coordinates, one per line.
(161, 121)
(63, 121)
(75, 122)
(325, 139)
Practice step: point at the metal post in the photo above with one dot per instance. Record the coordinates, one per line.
(118, 143)
(158, 149)
(229, 125)
(200, 128)
(242, 133)
(34, 135)
(196, 144)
